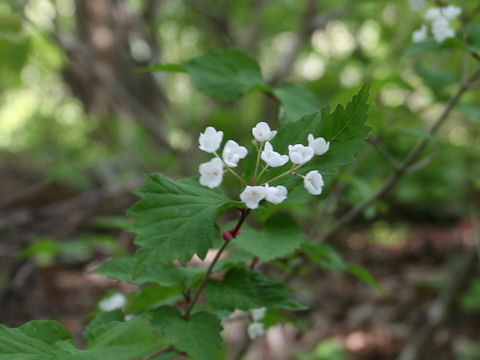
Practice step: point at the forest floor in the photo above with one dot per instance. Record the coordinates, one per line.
(418, 273)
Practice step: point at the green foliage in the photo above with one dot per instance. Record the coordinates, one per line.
(296, 102)
(279, 237)
(245, 289)
(344, 128)
(199, 336)
(174, 220)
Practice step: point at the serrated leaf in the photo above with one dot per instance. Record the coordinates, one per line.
(121, 341)
(279, 237)
(123, 269)
(325, 256)
(364, 275)
(225, 74)
(296, 102)
(103, 318)
(245, 289)
(174, 220)
(199, 337)
(344, 128)
(36, 340)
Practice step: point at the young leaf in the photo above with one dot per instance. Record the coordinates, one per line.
(280, 237)
(174, 220)
(41, 339)
(325, 256)
(344, 128)
(225, 74)
(245, 289)
(199, 337)
(364, 275)
(296, 101)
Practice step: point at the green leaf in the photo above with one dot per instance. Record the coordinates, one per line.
(421, 47)
(471, 111)
(225, 74)
(163, 67)
(473, 36)
(151, 297)
(199, 337)
(436, 79)
(296, 101)
(36, 340)
(344, 128)
(174, 220)
(325, 256)
(245, 289)
(364, 275)
(280, 237)
(123, 269)
(103, 318)
(121, 341)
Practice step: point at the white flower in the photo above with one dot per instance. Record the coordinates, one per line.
(275, 194)
(416, 5)
(116, 301)
(313, 182)
(262, 132)
(451, 11)
(258, 314)
(255, 329)
(210, 140)
(420, 34)
(441, 30)
(211, 173)
(433, 14)
(319, 145)
(273, 158)
(252, 195)
(232, 153)
(300, 154)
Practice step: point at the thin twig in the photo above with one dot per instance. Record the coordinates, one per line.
(405, 166)
(235, 230)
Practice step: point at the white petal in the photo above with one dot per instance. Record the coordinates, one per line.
(255, 329)
(420, 34)
(300, 154)
(210, 140)
(233, 153)
(116, 301)
(313, 182)
(258, 314)
(275, 194)
(252, 195)
(451, 11)
(273, 158)
(433, 14)
(211, 173)
(319, 145)
(262, 132)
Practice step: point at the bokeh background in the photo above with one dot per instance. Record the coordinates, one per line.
(80, 125)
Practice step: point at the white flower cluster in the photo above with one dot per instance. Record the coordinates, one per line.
(440, 18)
(211, 172)
(113, 302)
(256, 329)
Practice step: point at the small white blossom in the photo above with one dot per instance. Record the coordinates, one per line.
(258, 314)
(441, 30)
(275, 194)
(420, 34)
(252, 195)
(451, 11)
(433, 14)
(300, 154)
(255, 329)
(210, 140)
(313, 182)
(232, 153)
(211, 173)
(262, 132)
(114, 302)
(319, 145)
(416, 5)
(273, 158)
